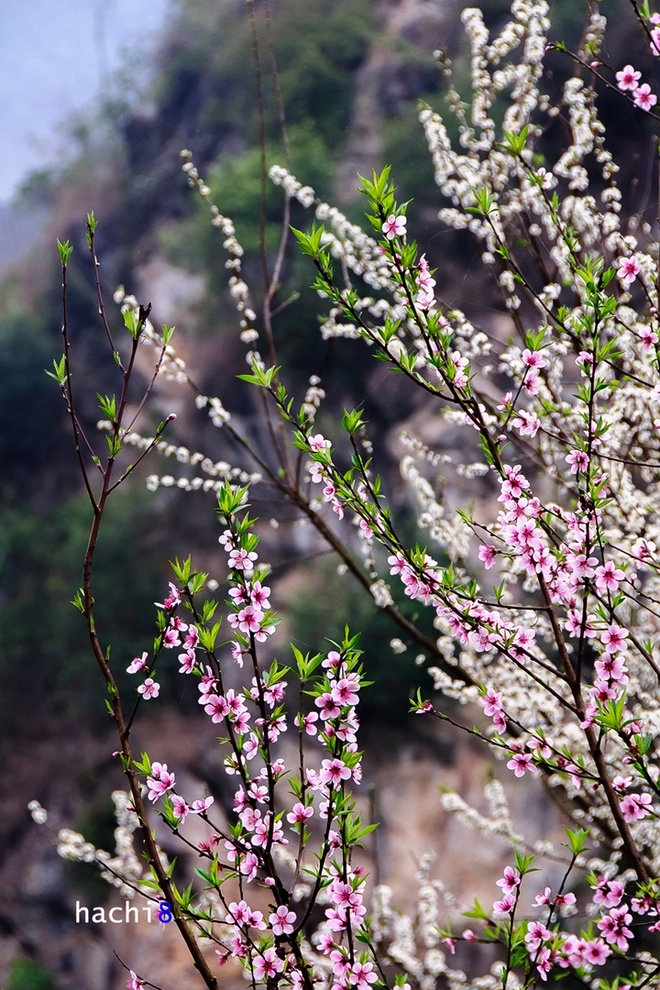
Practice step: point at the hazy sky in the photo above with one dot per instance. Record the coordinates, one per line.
(55, 55)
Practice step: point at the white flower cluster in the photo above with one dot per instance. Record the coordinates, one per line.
(39, 814)
(217, 471)
(294, 189)
(314, 396)
(124, 870)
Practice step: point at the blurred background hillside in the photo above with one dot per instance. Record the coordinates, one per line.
(108, 129)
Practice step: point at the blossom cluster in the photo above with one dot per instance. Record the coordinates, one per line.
(257, 850)
(541, 585)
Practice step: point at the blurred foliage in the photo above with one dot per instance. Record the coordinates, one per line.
(33, 438)
(25, 974)
(41, 557)
(208, 70)
(319, 46)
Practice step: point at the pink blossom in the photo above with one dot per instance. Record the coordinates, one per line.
(580, 565)
(533, 359)
(611, 669)
(248, 619)
(506, 905)
(647, 337)
(306, 722)
(544, 898)
(608, 577)
(259, 596)
(299, 813)
(172, 600)
(573, 952)
(621, 784)
(425, 295)
(595, 952)
(614, 638)
(578, 460)
(226, 540)
(492, 702)
(242, 560)
(180, 808)
(629, 269)
(160, 781)
(655, 38)
(237, 653)
(394, 227)
(614, 928)
(150, 689)
(333, 660)
(139, 663)
(521, 763)
(609, 893)
(333, 772)
(282, 921)
(171, 638)
(526, 423)
(537, 933)
(644, 99)
(636, 806)
(487, 554)
(240, 913)
(216, 707)
(328, 705)
(344, 691)
(532, 383)
(267, 965)
(134, 982)
(548, 180)
(363, 974)
(628, 78)
(510, 881)
(187, 661)
(259, 792)
(318, 443)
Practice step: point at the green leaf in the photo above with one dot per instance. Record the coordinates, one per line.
(610, 714)
(143, 765)
(108, 406)
(476, 911)
(486, 203)
(352, 421)
(65, 252)
(577, 839)
(260, 376)
(310, 243)
(59, 372)
(515, 143)
(208, 637)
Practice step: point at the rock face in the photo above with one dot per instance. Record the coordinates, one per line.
(386, 79)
